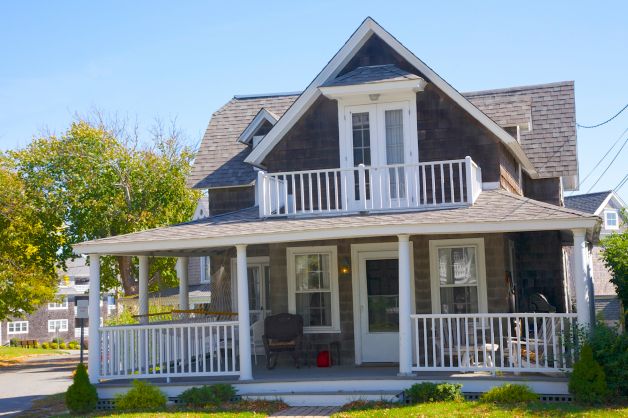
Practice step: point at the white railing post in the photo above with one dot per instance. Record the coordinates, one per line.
(95, 348)
(470, 179)
(582, 278)
(362, 182)
(261, 193)
(244, 326)
(405, 306)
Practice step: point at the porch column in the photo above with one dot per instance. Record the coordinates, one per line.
(143, 290)
(244, 326)
(182, 271)
(405, 306)
(93, 356)
(582, 279)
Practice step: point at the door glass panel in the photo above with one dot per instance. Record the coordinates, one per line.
(382, 287)
(394, 151)
(361, 148)
(255, 297)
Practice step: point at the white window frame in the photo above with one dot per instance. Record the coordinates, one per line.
(55, 306)
(21, 331)
(606, 225)
(332, 251)
(478, 244)
(61, 328)
(204, 265)
(263, 262)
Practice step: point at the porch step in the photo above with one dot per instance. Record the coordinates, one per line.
(337, 398)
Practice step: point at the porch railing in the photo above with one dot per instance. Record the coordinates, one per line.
(523, 342)
(368, 188)
(169, 350)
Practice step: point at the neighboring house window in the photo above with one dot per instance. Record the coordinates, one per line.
(205, 275)
(17, 327)
(313, 287)
(458, 276)
(58, 305)
(611, 219)
(57, 325)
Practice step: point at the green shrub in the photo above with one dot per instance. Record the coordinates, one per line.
(36, 344)
(54, 346)
(587, 383)
(610, 349)
(13, 342)
(81, 396)
(208, 395)
(432, 392)
(509, 394)
(45, 346)
(57, 340)
(141, 397)
(62, 346)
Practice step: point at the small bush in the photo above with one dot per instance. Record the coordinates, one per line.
(54, 346)
(432, 392)
(62, 346)
(36, 344)
(610, 349)
(45, 346)
(587, 383)
(141, 397)
(208, 395)
(13, 342)
(81, 396)
(509, 394)
(57, 340)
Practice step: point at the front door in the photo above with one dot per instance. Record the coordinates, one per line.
(379, 304)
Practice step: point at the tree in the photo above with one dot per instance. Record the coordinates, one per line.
(615, 255)
(97, 181)
(27, 249)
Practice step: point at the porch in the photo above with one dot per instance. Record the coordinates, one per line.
(421, 324)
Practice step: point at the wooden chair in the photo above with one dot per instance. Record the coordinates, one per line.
(282, 333)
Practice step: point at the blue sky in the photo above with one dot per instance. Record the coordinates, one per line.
(185, 59)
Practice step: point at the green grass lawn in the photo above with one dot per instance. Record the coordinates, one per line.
(477, 409)
(13, 353)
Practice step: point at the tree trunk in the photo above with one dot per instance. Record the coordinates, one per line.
(126, 275)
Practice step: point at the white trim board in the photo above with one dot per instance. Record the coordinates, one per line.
(263, 115)
(169, 247)
(368, 28)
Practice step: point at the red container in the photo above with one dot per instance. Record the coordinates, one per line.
(323, 359)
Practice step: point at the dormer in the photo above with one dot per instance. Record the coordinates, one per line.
(261, 124)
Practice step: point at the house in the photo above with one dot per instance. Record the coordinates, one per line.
(410, 226)
(56, 319)
(607, 205)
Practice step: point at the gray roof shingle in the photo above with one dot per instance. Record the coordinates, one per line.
(372, 74)
(491, 206)
(550, 145)
(589, 202)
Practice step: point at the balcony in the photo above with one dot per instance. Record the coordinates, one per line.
(397, 187)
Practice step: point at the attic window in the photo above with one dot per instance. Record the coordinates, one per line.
(514, 131)
(259, 126)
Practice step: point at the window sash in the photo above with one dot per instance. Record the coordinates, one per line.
(57, 305)
(17, 327)
(63, 325)
(611, 219)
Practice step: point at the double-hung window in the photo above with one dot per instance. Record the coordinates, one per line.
(611, 220)
(58, 305)
(55, 325)
(17, 327)
(313, 287)
(458, 276)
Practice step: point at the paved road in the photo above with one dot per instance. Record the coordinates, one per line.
(37, 377)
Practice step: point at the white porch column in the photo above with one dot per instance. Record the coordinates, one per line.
(93, 356)
(582, 280)
(244, 326)
(405, 306)
(182, 270)
(143, 289)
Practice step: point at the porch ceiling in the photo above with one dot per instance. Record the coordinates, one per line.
(494, 211)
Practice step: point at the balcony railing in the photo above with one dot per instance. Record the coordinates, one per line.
(436, 184)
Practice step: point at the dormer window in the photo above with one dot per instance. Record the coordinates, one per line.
(259, 126)
(611, 219)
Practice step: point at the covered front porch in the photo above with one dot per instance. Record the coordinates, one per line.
(447, 312)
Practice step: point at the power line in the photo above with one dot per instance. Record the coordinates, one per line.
(621, 183)
(603, 157)
(609, 165)
(602, 123)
